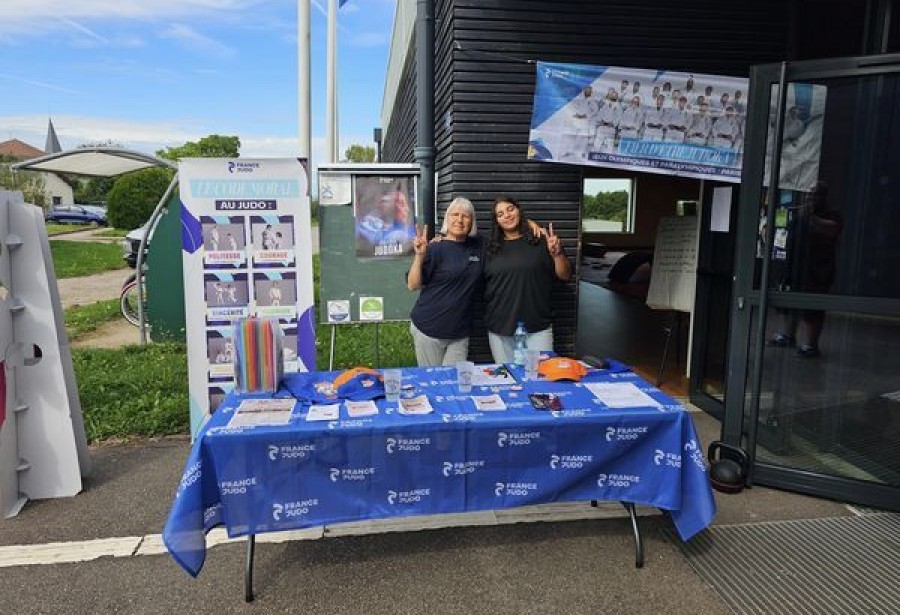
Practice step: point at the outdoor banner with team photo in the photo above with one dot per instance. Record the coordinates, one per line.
(247, 251)
(687, 124)
(384, 211)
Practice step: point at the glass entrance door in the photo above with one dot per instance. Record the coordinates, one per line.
(814, 356)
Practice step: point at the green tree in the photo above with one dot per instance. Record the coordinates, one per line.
(135, 195)
(360, 153)
(31, 184)
(611, 206)
(94, 190)
(213, 146)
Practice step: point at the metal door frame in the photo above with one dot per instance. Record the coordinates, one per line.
(745, 299)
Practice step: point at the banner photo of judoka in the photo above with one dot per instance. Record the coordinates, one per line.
(801, 138)
(384, 211)
(686, 124)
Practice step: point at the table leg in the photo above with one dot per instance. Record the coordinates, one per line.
(638, 541)
(248, 569)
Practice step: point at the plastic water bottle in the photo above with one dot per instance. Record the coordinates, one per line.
(521, 343)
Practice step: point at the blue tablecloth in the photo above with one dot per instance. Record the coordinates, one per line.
(457, 459)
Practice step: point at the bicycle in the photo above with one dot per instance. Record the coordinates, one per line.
(128, 299)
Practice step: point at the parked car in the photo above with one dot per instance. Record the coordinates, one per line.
(77, 214)
(131, 243)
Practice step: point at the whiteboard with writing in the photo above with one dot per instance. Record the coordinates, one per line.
(673, 281)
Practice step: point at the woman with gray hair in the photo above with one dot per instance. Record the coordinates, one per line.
(448, 273)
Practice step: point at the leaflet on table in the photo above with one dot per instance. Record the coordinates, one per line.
(492, 375)
(329, 412)
(415, 405)
(253, 412)
(356, 409)
(487, 403)
(621, 395)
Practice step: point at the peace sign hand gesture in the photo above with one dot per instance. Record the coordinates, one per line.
(554, 246)
(420, 243)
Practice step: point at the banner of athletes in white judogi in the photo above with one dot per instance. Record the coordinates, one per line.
(246, 251)
(687, 124)
(642, 120)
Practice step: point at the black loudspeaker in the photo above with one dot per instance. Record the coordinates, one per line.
(728, 467)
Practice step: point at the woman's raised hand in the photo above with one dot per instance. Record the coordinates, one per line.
(420, 243)
(554, 246)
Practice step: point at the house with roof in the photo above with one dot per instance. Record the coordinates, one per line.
(58, 191)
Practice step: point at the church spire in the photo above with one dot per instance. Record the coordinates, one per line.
(52, 146)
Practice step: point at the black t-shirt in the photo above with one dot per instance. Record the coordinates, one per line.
(518, 285)
(451, 274)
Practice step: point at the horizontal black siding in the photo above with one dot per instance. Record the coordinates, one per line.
(484, 85)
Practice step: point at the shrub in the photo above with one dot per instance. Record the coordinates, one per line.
(135, 195)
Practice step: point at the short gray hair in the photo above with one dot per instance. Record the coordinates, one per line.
(465, 205)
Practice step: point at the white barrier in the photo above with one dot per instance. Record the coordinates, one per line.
(43, 449)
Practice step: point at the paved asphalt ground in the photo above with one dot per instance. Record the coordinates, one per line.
(582, 566)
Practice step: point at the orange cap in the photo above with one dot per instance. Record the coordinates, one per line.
(561, 368)
(350, 373)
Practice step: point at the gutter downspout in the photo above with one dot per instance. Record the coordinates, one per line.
(424, 150)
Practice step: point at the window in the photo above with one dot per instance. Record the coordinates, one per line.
(57, 200)
(607, 205)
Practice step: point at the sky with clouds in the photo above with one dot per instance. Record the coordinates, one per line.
(150, 74)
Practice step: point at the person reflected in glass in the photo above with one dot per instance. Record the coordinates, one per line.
(818, 230)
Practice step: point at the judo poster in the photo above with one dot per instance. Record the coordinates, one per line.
(686, 124)
(384, 213)
(247, 251)
(801, 138)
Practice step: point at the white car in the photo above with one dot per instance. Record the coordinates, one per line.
(132, 243)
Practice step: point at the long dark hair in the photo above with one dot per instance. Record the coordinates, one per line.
(495, 245)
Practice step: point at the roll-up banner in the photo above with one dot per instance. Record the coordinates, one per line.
(247, 251)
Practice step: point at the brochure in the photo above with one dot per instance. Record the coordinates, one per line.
(253, 412)
(330, 412)
(356, 409)
(416, 405)
(621, 395)
(489, 403)
(492, 375)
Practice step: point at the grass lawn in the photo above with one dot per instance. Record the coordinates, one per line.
(82, 319)
(133, 391)
(73, 259)
(59, 229)
(112, 233)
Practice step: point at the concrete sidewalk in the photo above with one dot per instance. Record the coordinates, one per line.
(581, 566)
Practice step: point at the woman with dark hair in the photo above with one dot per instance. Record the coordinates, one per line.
(518, 280)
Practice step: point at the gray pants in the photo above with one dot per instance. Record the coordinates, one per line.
(433, 352)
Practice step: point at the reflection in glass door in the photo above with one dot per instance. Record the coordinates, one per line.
(826, 414)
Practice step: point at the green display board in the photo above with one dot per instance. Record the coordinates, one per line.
(165, 290)
(345, 277)
(351, 269)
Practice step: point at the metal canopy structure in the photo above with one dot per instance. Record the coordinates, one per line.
(93, 162)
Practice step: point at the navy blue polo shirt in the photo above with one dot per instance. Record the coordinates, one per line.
(451, 275)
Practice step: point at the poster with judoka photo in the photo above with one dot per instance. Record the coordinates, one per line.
(275, 294)
(272, 240)
(223, 241)
(227, 297)
(385, 216)
(220, 350)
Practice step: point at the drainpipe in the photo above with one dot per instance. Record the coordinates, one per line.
(424, 150)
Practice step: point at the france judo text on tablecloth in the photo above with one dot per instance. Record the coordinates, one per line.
(264, 478)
